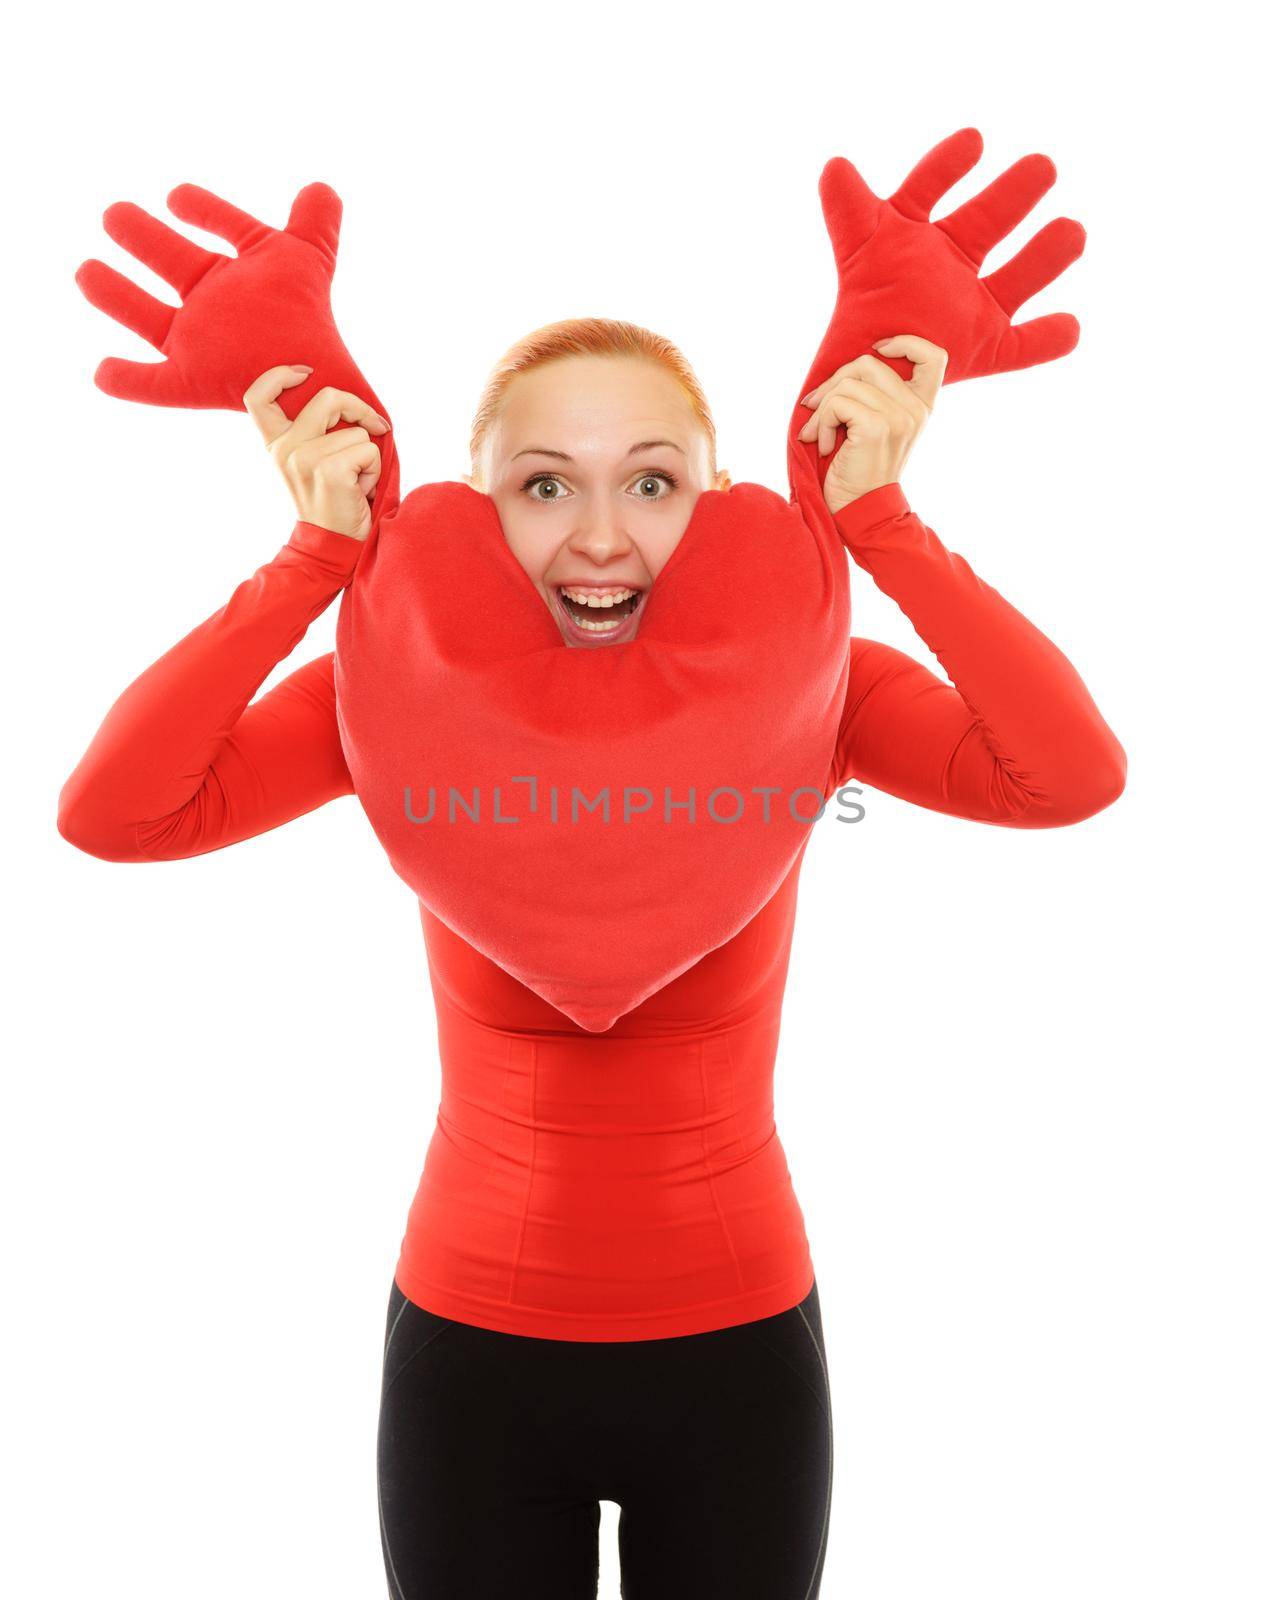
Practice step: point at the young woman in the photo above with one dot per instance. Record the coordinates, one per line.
(605, 1290)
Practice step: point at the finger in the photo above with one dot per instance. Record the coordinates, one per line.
(1041, 339)
(173, 257)
(363, 455)
(859, 368)
(191, 203)
(316, 216)
(929, 363)
(850, 388)
(1038, 263)
(843, 409)
(839, 406)
(810, 428)
(125, 301)
(311, 453)
(822, 388)
(261, 398)
(898, 392)
(850, 208)
(941, 169)
(875, 371)
(351, 461)
(331, 406)
(978, 225)
(153, 383)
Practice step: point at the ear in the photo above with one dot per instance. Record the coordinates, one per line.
(722, 479)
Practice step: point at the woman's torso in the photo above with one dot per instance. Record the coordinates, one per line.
(622, 1185)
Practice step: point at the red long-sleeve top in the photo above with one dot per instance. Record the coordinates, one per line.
(629, 1184)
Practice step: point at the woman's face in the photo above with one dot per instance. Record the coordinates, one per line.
(595, 464)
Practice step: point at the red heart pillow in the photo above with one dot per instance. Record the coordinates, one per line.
(594, 821)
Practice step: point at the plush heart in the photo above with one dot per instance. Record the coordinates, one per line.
(594, 821)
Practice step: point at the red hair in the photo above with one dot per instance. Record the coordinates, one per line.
(594, 336)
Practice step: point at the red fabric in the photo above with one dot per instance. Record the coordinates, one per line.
(628, 1184)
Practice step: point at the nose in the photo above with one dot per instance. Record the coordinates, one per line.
(601, 535)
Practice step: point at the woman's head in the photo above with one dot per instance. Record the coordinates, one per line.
(594, 440)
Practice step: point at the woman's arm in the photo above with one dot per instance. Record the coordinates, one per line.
(1014, 738)
(183, 762)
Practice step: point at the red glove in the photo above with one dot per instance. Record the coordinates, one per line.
(900, 273)
(266, 306)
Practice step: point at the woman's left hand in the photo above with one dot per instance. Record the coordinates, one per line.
(883, 415)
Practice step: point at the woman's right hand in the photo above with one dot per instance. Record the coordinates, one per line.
(331, 476)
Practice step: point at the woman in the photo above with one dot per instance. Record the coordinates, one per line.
(605, 1290)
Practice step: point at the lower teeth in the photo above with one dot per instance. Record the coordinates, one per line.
(600, 627)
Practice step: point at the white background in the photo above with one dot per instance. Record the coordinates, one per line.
(1017, 1083)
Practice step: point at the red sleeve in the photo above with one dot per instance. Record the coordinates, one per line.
(1014, 737)
(183, 762)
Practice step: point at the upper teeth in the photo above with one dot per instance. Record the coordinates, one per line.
(584, 597)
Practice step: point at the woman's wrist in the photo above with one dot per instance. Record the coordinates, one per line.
(865, 510)
(340, 551)
(839, 498)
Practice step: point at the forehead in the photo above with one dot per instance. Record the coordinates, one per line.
(592, 397)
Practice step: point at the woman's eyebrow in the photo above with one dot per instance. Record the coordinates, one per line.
(560, 455)
(654, 444)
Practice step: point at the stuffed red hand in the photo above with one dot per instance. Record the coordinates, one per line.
(267, 305)
(900, 273)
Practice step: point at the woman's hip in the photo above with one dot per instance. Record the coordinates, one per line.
(495, 1450)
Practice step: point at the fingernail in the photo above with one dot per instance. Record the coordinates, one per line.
(301, 367)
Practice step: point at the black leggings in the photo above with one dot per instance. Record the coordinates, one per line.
(495, 1449)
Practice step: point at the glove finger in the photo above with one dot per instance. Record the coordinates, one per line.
(941, 169)
(149, 382)
(164, 251)
(1038, 263)
(126, 302)
(316, 216)
(978, 225)
(850, 208)
(1041, 339)
(191, 203)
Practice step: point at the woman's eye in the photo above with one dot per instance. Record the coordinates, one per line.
(546, 481)
(658, 478)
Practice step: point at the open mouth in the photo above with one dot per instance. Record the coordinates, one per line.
(598, 612)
